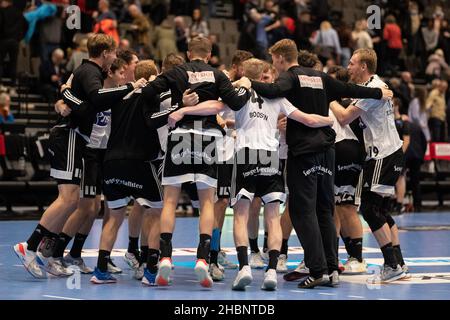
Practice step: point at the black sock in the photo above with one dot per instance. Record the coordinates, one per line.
(61, 244)
(253, 245)
(389, 255)
(152, 260)
(337, 247)
(356, 246)
(165, 243)
(213, 257)
(133, 246)
(346, 243)
(399, 255)
(266, 235)
(273, 259)
(242, 254)
(144, 254)
(103, 258)
(220, 248)
(77, 246)
(204, 247)
(284, 247)
(36, 237)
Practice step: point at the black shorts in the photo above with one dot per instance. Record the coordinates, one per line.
(380, 176)
(92, 178)
(255, 176)
(224, 174)
(348, 166)
(190, 158)
(66, 149)
(133, 179)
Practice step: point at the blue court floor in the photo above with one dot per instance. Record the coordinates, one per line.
(425, 240)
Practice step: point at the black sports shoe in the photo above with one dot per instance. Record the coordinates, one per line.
(310, 282)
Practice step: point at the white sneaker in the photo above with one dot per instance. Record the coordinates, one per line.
(30, 260)
(202, 271)
(265, 256)
(223, 261)
(256, 261)
(407, 273)
(112, 268)
(216, 272)
(139, 272)
(270, 280)
(387, 274)
(281, 265)
(164, 270)
(243, 278)
(353, 266)
(131, 260)
(55, 266)
(78, 262)
(302, 268)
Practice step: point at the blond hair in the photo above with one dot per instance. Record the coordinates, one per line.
(145, 69)
(369, 57)
(99, 42)
(325, 25)
(200, 46)
(286, 48)
(253, 68)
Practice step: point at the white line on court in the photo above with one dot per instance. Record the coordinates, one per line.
(298, 291)
(58, 297)
(357, 297)
(327, 294)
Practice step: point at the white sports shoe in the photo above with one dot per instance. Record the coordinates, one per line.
(224, 262)
(164, 270)
(243, 278)
(302, 268)
(202, 271)
(216, 273)
(281, 265)
(265, 256)
(112, 268)
(78, 262)
(131, 260)
(139, 272)
(256, 261)
(353, 266)
(407, 273)
(30, 261)
(270, 280)
(55, 266)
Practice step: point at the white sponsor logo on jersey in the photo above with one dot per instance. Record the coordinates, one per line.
(203, 76)
(310, 82)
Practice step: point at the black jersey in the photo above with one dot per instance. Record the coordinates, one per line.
(86, 97)
(311, 91)
(134, 134)
(208, 82)
(402, 127)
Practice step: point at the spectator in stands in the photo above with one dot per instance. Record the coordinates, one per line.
(158, 11)
(106, 21)
(417, 111)
(125, 16)
(140, 28)
(437, 65)
(361, 37)
(51, 74)
(77, 56)
(164, 40)
(346, 42)
(124, 44)
(392, 34)
(261, 21)
(215, 51)
(12, 30)
(50, 34)
(405, 91)
(437, 106)
(181, 33)
(5, 112)
(303, 30)
(430, 36)
(326, 42)
(199, 27)
(444, 39)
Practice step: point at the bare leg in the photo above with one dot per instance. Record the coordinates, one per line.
(253, 218)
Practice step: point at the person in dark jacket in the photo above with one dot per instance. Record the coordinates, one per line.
(51, 74)
(12, 29)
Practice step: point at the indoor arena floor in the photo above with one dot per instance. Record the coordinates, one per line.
(425, 241)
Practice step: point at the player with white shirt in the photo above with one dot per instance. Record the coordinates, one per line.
(383, 163)
(257, 170)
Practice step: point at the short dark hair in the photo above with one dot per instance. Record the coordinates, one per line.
(126, 55)
(99, 42)
(307, 59)
(240, 56)
(340, 72)
(117, 64)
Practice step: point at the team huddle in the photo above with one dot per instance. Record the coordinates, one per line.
(258, 135)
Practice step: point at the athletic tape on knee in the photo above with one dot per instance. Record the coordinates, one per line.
(215, 239)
